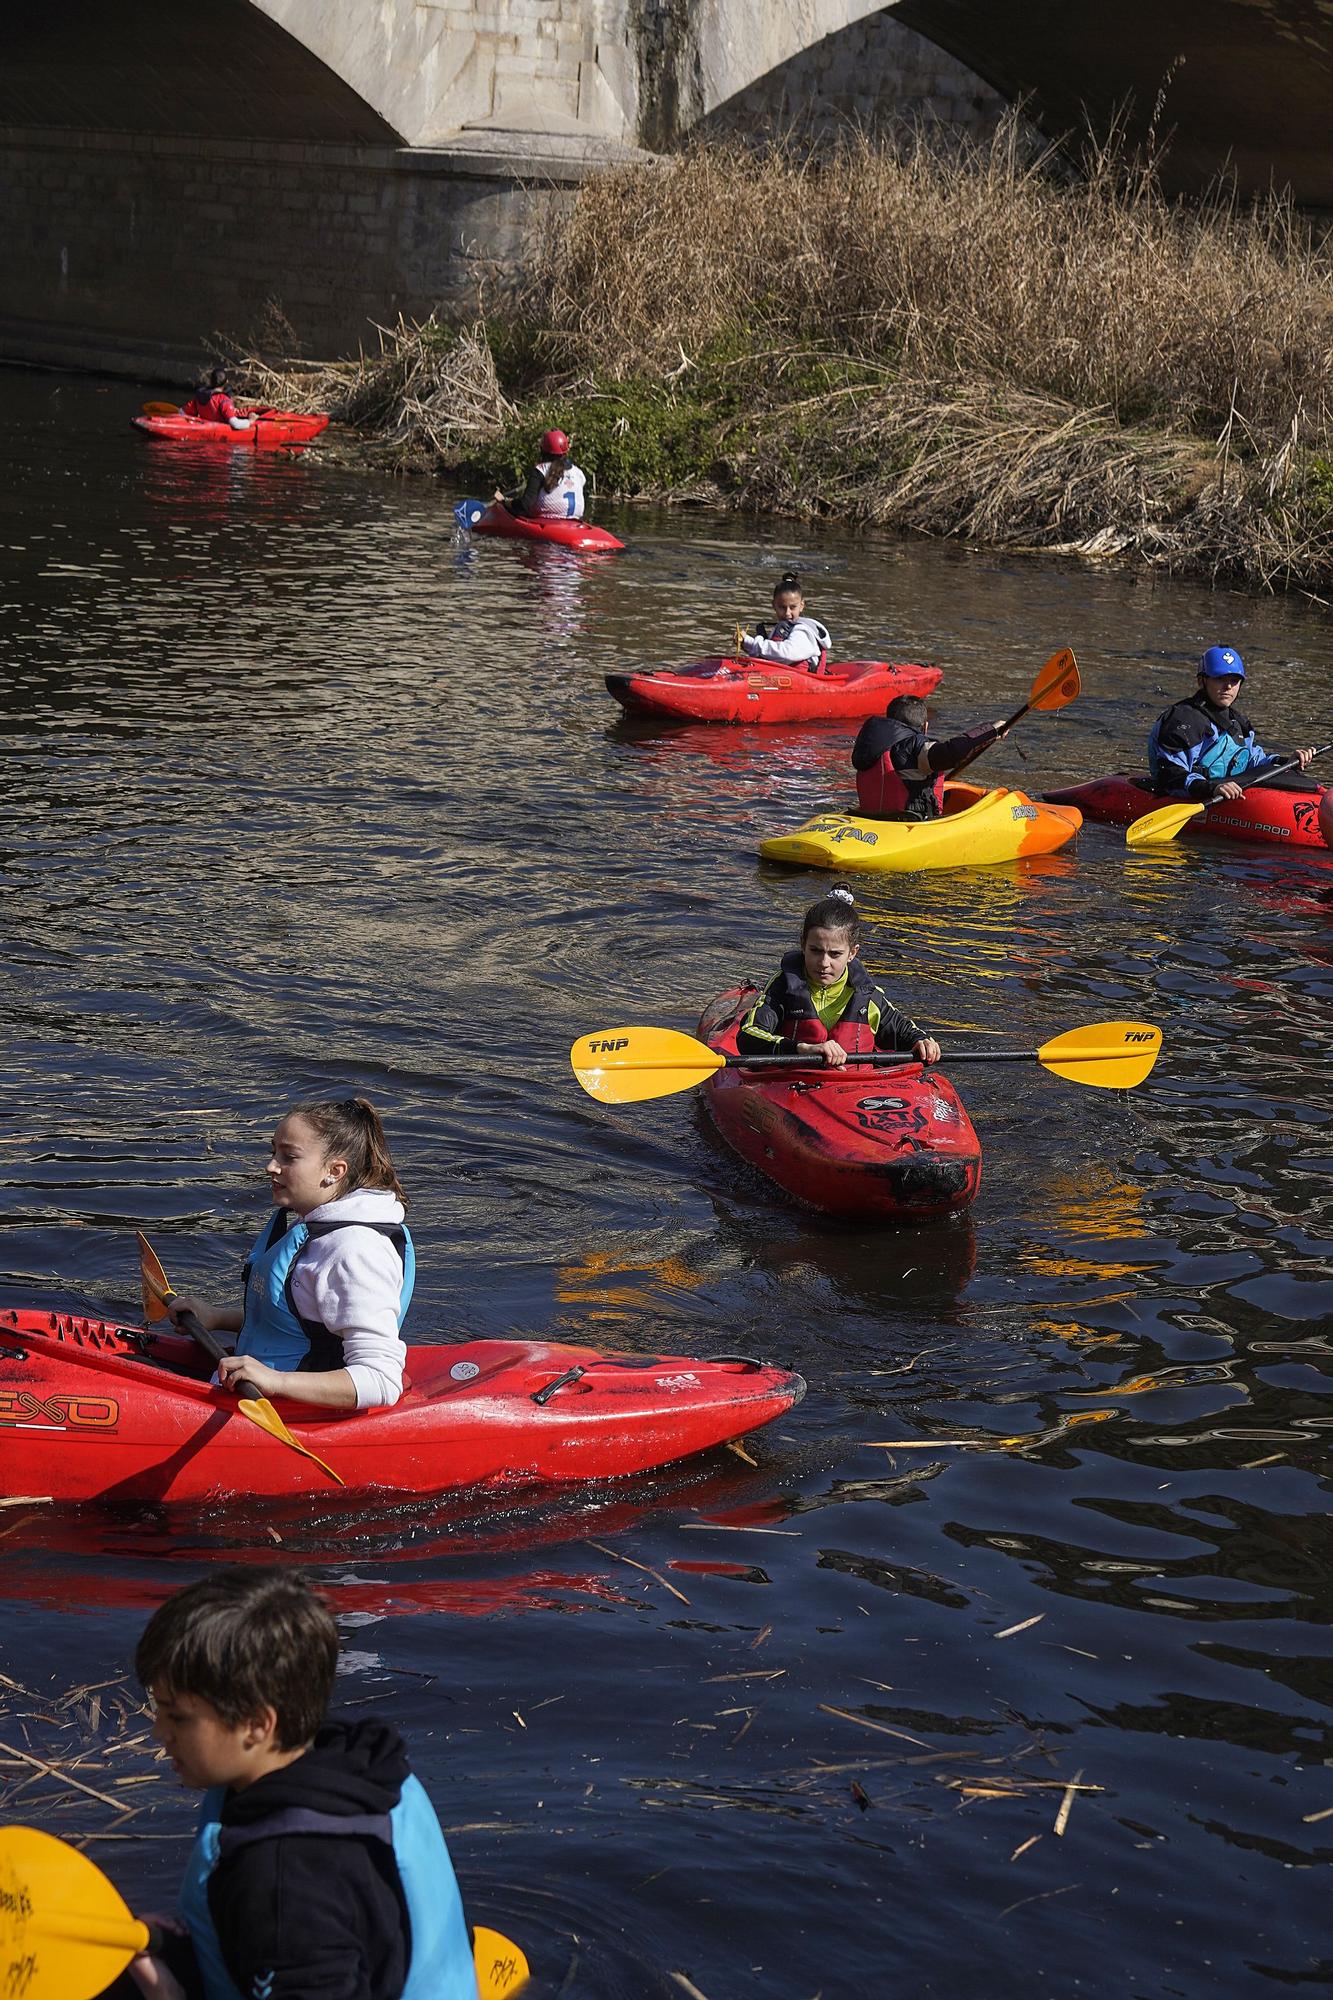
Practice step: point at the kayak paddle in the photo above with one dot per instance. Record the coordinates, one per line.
(627, 1065)
(66, 1934)
(1165, 822)
(1056, 685)
(157, 1291)
(161, 409)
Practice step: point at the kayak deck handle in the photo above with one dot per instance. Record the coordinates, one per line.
(543, 1396)
(742, 1360)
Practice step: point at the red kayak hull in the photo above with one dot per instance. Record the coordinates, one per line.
(718, 690)
(89, 1411)
(889, 1143)
(1289, 816)
(498, 520)
(284, 427)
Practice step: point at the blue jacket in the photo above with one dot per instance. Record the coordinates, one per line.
(1194, 746)
(273, 1331)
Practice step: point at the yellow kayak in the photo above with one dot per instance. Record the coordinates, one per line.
(977, 829)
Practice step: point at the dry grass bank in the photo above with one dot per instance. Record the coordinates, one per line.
(970, 343)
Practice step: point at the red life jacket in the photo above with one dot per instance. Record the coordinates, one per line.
(884, 792)
(790, 996)
(214, 408)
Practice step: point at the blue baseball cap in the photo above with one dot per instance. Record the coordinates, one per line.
(1219, 661)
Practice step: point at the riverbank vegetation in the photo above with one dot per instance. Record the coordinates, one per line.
(970, 343)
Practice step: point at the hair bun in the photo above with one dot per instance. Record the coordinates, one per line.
(843, 895)
(789, 580)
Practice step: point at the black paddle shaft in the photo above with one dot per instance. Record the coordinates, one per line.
(1276, 770)
(882, 1059)
(190, 1323)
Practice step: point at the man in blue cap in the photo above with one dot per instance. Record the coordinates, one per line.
(1201, 746)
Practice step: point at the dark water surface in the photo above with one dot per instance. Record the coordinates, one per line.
(301, 797)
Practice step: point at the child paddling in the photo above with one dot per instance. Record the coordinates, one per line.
(822, 1002)
(319, 1867)
(330, 1276)
(900, 770)
(794, 639)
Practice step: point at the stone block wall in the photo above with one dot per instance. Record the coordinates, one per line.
(131, 253)
(873, 74)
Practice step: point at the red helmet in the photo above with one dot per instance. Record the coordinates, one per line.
(555, 443)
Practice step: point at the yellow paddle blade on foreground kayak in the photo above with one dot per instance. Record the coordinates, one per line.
(1112, 1055)
(500, 1966)
(626, 1065)
(65, 1934)
(1164, 823)
(157, 1289)
(629, 1065)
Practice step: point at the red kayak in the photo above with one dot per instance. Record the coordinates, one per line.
(751, 691)
(866, 1140)
(274, 428)
(90, 1410)
(497, 520)
(1279, 812)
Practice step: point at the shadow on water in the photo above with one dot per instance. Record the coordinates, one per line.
(1004, 1669)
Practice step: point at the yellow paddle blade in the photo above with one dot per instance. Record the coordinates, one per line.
(260, 1411)
(64, 1932)
(155, 1284)
(499, 1964)
(627, 1065)
(1113, 1055)
(1164, 823)
(1057, 683)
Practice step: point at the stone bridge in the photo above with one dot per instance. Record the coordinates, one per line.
(171, 170)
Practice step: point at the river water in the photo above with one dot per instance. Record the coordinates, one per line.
(303, 797)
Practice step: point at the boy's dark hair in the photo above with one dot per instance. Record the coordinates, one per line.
(908, 708)
(218, 378)
(242, 1640)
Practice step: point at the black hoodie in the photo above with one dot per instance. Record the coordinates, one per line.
(306, 1916)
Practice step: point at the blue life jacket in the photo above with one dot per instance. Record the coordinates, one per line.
(274, 1332)
(1217, 755)
(441, 1965)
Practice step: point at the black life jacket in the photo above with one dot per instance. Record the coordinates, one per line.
(790, 996)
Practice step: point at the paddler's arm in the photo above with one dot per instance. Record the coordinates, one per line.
(758, 1033)
(895, 1030)
(334, 1390)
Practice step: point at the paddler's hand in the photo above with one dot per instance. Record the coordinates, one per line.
(927, 1050)
(831, 1053)
(1305, 756)
(234, 1368)
(1228, 789)
(150, 1974)
(190, 1302)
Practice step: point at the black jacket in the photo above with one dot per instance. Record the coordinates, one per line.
(326, 1916)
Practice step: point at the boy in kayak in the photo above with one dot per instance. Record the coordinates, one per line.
(330, 1277)
(1199, 747)
(794, 639)
(822, 1002)
(554, 491)
(900, 770)
(319, 1868)
(211, 403)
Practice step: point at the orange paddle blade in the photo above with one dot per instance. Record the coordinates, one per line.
(153, 1281)
(260, 1411)
(500, 1966)
(1057, 684)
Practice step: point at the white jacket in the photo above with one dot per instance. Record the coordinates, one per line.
(792, 645)
(351, 1281)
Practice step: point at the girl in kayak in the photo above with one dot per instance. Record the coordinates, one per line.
(794, 639)
(900, 770)
(1200, 747)
(554, 491)
(822, 1002)
(330, 1277)
(211, 403)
